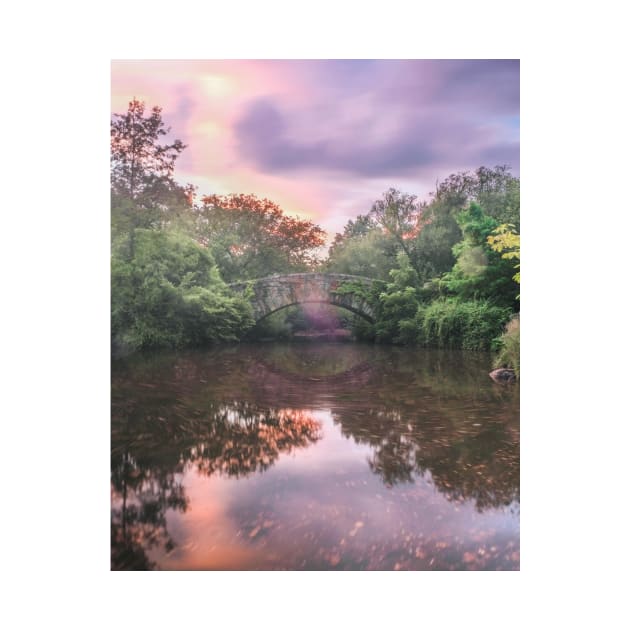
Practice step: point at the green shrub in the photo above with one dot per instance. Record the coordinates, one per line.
(274, 326)
(480, 272)
(509, 343)
(395, 306)
(166, 292)
(210, 316)
(450, 323)
(362, 329)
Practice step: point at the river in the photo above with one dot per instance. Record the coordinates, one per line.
(314, 456)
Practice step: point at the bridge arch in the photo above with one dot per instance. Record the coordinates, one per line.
(276, 292)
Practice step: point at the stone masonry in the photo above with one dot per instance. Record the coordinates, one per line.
(272, 293)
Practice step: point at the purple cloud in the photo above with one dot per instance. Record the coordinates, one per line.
(413, 117)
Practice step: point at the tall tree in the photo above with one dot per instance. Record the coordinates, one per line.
(140, 164)
(401, 215)
(144, 193)
(496, 190)
(363, 249)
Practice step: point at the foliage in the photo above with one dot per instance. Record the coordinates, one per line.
(169, 294)
(361, 226)
(402, 216)
(505, 240)
(251, 237)
(404, 316)
(509, 351)
(372, 255)
(274, 326)
(424, 232)
(480, 272)
(397, 304)
(143, 191)
(495, 190)
(139, 163)
(469, 325)
(392, 302)
(433, 247)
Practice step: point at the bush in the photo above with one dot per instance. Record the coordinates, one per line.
(460, 325)
(395, 307)
(274, 326)
(510, 347)
(166, 293)
(403, 317)
(212, 316)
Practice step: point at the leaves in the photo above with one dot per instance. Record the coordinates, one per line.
(251, 237)
(169, 294)
(139, 162)
(505, 240)
(480, 271)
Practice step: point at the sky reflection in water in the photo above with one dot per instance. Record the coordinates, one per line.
(313, 456)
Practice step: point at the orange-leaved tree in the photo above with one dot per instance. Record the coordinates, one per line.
(251, 237)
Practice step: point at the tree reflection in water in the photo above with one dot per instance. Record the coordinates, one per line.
(463, 462)
(233, 412)
(150, 453)
(141, 494)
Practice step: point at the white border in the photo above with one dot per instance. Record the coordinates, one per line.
(55, 106)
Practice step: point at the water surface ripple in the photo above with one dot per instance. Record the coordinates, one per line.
(313, 456)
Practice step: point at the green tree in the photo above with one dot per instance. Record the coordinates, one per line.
(505, 240)
(170, 294)
(480, 272)
(371, 254)
(144, 193)
(397, 304)
(139, 162)
(402, 216)
(496, 190)
(433, 246)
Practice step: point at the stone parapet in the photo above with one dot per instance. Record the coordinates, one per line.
(276, 292)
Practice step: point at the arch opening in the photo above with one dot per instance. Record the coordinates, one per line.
(274, 293)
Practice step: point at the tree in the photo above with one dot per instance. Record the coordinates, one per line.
(144, 193)
(140, 164)
(401, 215)
(251, 237)
(169, 294)
(372, 255)
(480, 272)
(363, 249)
(505, 240)
(496, 190)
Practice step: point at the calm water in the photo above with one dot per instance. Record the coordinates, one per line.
(314, 456)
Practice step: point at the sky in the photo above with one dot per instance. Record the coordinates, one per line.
(325, 138)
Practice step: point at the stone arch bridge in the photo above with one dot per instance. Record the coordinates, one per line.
(276, 292)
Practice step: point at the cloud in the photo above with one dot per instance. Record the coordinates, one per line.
(415, 141)
(324, 138)
(387, 117)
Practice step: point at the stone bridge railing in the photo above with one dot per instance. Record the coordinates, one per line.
(273, 293)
